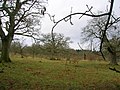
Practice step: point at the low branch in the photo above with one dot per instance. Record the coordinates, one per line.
(23, 34)
(28, 35)
(114, 69)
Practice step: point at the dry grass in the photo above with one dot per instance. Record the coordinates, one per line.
(37, 74)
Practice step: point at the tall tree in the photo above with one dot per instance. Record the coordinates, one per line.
(95, 30)
(18, 17)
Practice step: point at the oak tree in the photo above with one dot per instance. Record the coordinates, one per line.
(18, 17)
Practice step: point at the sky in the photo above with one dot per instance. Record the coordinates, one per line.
(61, 8)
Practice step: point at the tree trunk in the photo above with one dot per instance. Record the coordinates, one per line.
(6, 42)
(113, 56)
(113, 59)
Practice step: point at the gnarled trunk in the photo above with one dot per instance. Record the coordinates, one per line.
(6, 42)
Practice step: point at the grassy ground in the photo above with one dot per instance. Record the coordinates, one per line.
(29, 74)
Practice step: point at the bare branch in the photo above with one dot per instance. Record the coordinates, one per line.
(73, 14)
(23, 15)
(68, 16)
(106, 27)
(89, 10)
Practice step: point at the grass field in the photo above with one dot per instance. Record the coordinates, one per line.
(33, 74)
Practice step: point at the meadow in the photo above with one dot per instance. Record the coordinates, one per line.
(43, 74)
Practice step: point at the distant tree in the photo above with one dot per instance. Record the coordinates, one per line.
(18, 47)
(22, 47)
(18, 17)
(95, 29)
(15, 48)
(35, 49)
(60, 42)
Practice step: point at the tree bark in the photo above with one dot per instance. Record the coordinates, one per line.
(113, 59)
(113, 56)
(6, 42)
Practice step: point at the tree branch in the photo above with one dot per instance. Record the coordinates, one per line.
(106, 27)
(73, 14)
(2, 34)
(23, 15)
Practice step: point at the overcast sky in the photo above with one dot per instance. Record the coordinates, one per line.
(61, 8)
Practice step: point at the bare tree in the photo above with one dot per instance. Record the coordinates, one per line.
(18, 17)
(95, 30)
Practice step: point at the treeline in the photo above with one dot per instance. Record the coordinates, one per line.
(37, 50)
(46, 48)
(41, 51)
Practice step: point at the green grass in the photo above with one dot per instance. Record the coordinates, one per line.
(31, 74)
